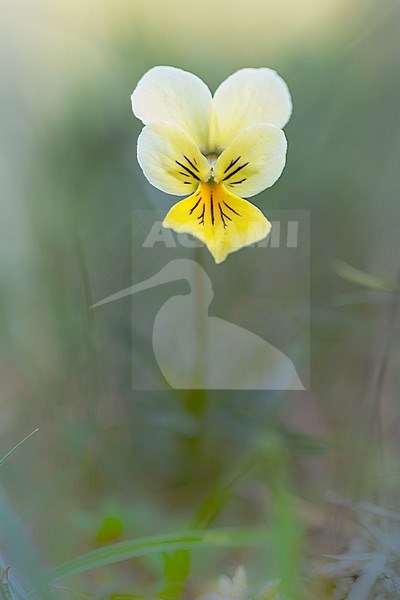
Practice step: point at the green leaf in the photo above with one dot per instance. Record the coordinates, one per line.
(115, 553)
(176, 571)
(362, 278)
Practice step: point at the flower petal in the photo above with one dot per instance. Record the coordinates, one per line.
(239, 581)
(221, 220)
(254, 160)
(170, 94)
(170, 160)
(249, 96)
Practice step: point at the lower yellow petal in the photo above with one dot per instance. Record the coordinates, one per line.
(221, 220)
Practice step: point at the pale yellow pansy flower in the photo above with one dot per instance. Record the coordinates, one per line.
(219, 149)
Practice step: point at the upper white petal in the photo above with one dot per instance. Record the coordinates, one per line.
(252, 95)
(177, 96)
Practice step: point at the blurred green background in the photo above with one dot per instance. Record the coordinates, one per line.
(109, 464)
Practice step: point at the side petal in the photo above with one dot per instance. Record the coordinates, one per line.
(221, 220)
(170, 94)
(170, 160)
(249, 96)
(253, 161)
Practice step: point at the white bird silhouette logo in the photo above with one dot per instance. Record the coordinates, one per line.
(196, 351)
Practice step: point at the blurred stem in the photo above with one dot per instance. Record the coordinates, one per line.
(93, 474)
(378, 380)
(195, 401)
(201, 325)
(380, 368)
(177, 564)
(220, 494)
(286, 527)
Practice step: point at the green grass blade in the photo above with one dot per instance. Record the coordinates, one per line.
(362, 278)
(11, 452)
(186, 540)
